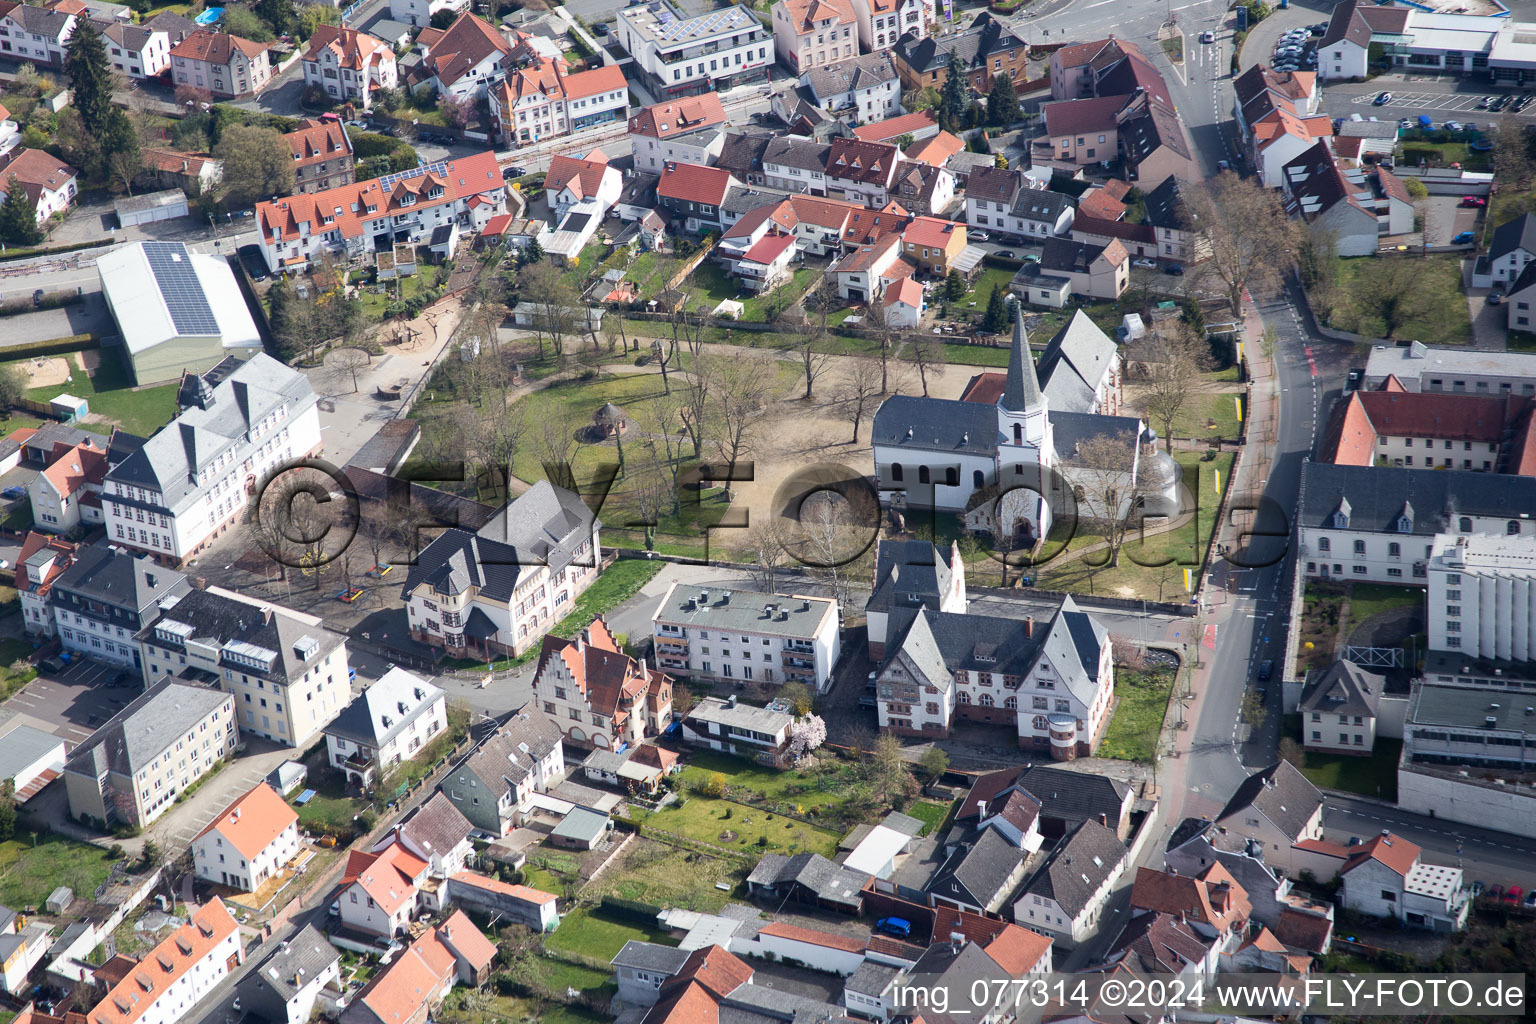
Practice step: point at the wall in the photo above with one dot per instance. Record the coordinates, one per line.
(822, 958)
(1468, 801)
(1391, 712)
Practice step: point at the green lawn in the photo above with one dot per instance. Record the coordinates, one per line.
(374, 302)
(620, 582)
(1209, 416)
(331, 810)
(594, 932)
(111, 394)
(1138, 719)
(1443, 154)
(769, 785)
(663, 875)
(34, 864)
(932, 815)
(974, 302)
(710, 285)
(1374, 776)
(561, 974)
(1444, 319)
(1367, 599)
(747, 830)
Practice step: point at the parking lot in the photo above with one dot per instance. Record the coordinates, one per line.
(1462, 102)
(76, 702)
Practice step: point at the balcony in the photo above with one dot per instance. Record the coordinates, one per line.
(672, 645)
(800, 646)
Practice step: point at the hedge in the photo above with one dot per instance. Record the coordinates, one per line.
(52, 250)
(53, 347)
(633, 909)
(50, 300)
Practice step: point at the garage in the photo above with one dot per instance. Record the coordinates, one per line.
(146, 209)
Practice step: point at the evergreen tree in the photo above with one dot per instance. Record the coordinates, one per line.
(533, 252)
(90, 76)
(1002, 102)
(119, 146)
(954, 286)
(278, 14)
(18, 216)
(996, 319)
(953, 99)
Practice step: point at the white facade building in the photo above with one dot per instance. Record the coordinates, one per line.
(249, 842)
(389, 722)
(683, 56)
(172, 979)
(882, 22)
(756, 637)
(138, 51)
(681, 131)
(418, 13)
(1481, 590)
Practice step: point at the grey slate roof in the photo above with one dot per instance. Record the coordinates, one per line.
(740, 716)
(1064, 256)
(507, 756)
(977, 872)
(1078, 866)
(436, 827)
(1165, 205)
(1075, 360)
(121, 580)
(1510, 236)
(173, 24)
(375, 716)
(545, 525)
(909, 573)
(1344, 688)
(986, 36)
(1377, 495)
(1073, 795)
(831, 882)
(143, 730)
(1070, 429)
(742, 153)
(46, 23)
(958, 971)
(217, 620)
(865, 71)
(793, 151)
(995, 185)
(1281, 793)
(19, 749)
(170, 461)
(748, 610)
(937, 425)
(871, 978)
(1021, 391)
(651, 956)
(293, 965)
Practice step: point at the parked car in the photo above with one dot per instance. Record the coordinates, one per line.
(1530, 898)
(1473, 201)
(601, 28)
(1480, 145)
(1383, 99)
(13, 493)
(1452, 126)
(37, 297)
(1007, 254)
(335, 910)
(1144, 263)
(868, 703)
(1513, 894)
(1494, 297)
(1522, 102)
(897, 926)
(1207, 37)
(54, 665)
(1319, 29)
(1464, 238)
(1175, 269)
(1477, 889)
(978, 236)
(1404, 125)
(1354, 380)
(1495, 892)
(1426, 122)
(1266, 670)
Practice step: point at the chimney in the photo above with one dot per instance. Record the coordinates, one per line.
(981, 810)
(1029, 626)
(730, 701)
(1104, 819)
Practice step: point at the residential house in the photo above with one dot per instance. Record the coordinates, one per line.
(494, 785)
(190, 482)
(1177, 233)
(181, 970)
(176, 27)
(1384, 877)
(51, 184)
(678, 55)
(1066, 798)
(641, 968)
(43, 558)
(1075, 68)
(573, 180)
(498, 589)
(910, 574)
(1065, 899)
(903, 304)
(1276, 808)
(863, 172)
(250, 841)
(287, 672)
(1511, 248)
(717, 723)
(1276, 117)
(765, 265)
(541, 101)
(138, 51)
(982, 870)
(517, 904)
(286, 987)
(1520, 299)
(808, 878)
(1154, 142)
(1338, 709)
(389, 722)
(323, 157)
(418, 13)
(225, 65)
(987, 50)
(1159, 943)
(1213, 903)
(1353, 207)
(1053, 686)
(813, 33)
(132, 768)
(882, 22)
(866, 85)
(1083, 132)
(920, 125)
(1008, 203)
(860, 273)
(1099, 271)
(20, 954)
(348, 65)
(463, 60)
(934, 245)
(1378, 525)
(693, 195)
(1367, 141)
(923, 189)
(36, 35)
(102, 600)
(600, 696)
(684, 131)
(67, 495)
(381, 892)
(407, 206)
(713, 984)
(412, 988)
(189, 172)
(775, 638)
(435, 833)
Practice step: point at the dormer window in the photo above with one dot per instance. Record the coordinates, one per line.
(1404, 525)
(1341, 515)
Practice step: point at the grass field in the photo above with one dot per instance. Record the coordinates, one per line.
(1443, 317)
(1138, 719)
(34, 864)
(1213, 417)
(745, 829)
(1374, 775)
(932, 815)
(110, 393)
(14, 650)
(974, 302)
(593, 932)
(712, 286)
(331, 810)
(666, 876)
(373, 303)
(1367, 599)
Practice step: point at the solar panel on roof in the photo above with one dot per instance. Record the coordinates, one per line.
(180, 289)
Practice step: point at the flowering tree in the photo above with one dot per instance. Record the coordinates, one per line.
(805, 735)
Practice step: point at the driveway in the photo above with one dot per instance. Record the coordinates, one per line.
(1490, 331)
(74, 703)
(87, 317)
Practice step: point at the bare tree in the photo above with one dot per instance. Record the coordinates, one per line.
(884, 336)
(697, 406)
(1511, 153)
(496, 439)
(1250, 238)
(833, 537)
(741, 388)
(1175, 359)
(859, 389)
(554, 303)
(763, 547)
(927, 355)
(658, 422)
(1103, 474)
(650, 488)
(351, 360)
(1392, 291)
(555, 441)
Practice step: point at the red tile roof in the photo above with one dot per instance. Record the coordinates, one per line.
(1215, 898)
(254, 821)
(38, 171)
(609, 679)
(1068, 117)
(526, 893)
(583, 175)
(1397, 853)
(353, 49)
(694, 183)
(1017, 949)
(582, 84)
(1098, 202)
(769, 248)
(812, 937)
(216, 47)
(805, 15)
(933, 232)
(893, 128)
(935, 151)
(34, 542)
(315, 140)
(462, 47)
(76, 467)
(678, 117)
(132, 997)
(905, 291)
(1303, 931)
(422, 973)
(388, 877)
(459, 934)
(860, 161)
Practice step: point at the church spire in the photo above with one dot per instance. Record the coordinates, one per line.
(1023, 391)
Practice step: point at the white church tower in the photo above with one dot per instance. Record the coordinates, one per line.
(1023, 414)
